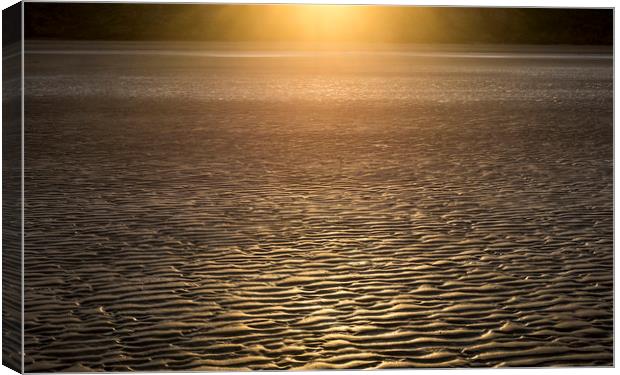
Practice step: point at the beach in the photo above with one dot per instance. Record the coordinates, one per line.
(234, 207)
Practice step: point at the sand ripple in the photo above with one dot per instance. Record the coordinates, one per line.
(186, 234)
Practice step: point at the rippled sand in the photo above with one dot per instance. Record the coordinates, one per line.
(314, 212)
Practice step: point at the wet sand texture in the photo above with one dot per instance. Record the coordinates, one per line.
(224, 213)
(11, 205)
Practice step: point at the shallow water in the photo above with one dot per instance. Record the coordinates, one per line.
(202, 210)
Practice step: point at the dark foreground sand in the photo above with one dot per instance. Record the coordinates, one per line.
(293, 211)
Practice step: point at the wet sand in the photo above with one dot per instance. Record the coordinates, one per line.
(316, 211)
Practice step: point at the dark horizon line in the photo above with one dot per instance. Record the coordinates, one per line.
(318, 43)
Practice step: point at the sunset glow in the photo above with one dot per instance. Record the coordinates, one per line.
(330, 21)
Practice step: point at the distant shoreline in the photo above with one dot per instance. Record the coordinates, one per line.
(266, 50)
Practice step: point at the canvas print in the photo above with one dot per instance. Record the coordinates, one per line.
(298, 187)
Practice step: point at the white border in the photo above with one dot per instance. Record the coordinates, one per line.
(488, 3)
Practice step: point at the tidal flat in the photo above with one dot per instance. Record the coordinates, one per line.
(232, 207)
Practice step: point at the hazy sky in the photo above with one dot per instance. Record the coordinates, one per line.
(330, 23)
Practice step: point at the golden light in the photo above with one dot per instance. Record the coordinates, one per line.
(329, 22)
(320, 23)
